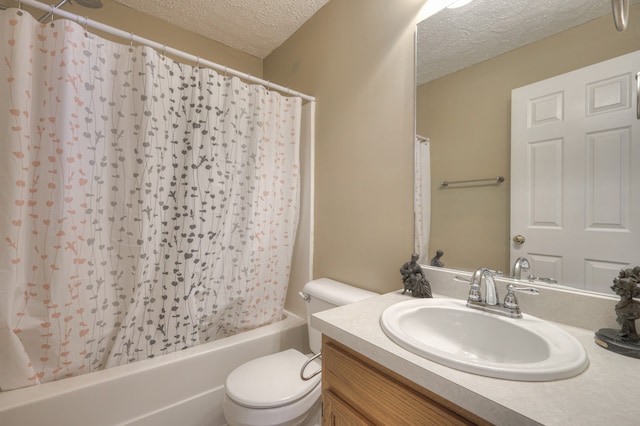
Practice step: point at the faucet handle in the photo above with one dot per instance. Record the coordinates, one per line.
(474, 289)
(544, 280)
(474, 292)
(510, 300)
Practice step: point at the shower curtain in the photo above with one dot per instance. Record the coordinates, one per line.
(147, 205)
(422, 198)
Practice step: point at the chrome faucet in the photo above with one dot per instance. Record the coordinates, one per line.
(490, 291)
(521, 264)
(491, 303)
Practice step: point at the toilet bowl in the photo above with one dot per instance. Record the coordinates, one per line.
(270, 390)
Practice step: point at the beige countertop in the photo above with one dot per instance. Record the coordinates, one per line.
(606, 393)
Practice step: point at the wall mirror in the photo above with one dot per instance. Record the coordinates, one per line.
(469, 59)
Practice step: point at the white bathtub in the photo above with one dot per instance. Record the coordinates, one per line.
(185, 388)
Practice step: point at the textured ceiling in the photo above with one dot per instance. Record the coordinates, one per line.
(455, 39)
(449, 41)
(256, 27)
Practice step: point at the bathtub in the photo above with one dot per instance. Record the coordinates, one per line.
(185, 388)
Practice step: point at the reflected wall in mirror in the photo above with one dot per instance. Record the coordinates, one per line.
(466, 115)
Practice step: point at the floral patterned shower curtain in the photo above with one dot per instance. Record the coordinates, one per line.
(147, 205)
(422, 198)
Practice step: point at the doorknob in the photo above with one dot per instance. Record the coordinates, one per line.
(519, 239)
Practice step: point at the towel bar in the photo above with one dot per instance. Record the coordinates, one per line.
(497, 179)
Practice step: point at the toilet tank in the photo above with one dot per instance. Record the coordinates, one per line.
(325, 293)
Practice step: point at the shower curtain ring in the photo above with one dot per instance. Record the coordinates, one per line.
(86, 26)
(131, 40)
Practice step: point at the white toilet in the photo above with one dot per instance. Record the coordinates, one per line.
(269, 390)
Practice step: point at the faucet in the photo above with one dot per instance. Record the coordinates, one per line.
(490, 291)
(491, 303)
(521, 264)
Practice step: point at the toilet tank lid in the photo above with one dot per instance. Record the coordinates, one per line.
(335, 292)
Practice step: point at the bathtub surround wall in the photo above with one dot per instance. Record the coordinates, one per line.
(151, 205)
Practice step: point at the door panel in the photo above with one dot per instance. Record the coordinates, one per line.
(575, 192)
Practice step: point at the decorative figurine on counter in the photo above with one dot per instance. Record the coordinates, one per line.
(414, 280)
(436, 260)
(625, 341)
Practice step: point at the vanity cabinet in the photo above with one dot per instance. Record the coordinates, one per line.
(358, 391)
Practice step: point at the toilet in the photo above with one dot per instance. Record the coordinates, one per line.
(269, 390)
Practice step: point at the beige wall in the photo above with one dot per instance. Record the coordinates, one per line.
(467, 116)
(130, 20)
(357, 58)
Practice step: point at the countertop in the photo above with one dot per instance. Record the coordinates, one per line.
(606, 393)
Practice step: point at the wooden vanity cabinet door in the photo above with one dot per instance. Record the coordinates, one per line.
(357, 391)
(335, 412)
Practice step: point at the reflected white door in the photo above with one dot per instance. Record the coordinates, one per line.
(575, 174)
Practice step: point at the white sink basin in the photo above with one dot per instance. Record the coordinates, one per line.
(448, 332)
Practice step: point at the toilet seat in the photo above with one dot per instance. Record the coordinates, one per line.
(271, 381)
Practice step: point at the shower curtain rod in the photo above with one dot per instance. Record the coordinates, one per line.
(163, 48)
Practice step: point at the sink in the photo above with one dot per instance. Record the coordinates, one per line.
(448, 332)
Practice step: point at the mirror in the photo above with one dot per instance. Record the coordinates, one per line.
(468, 61)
